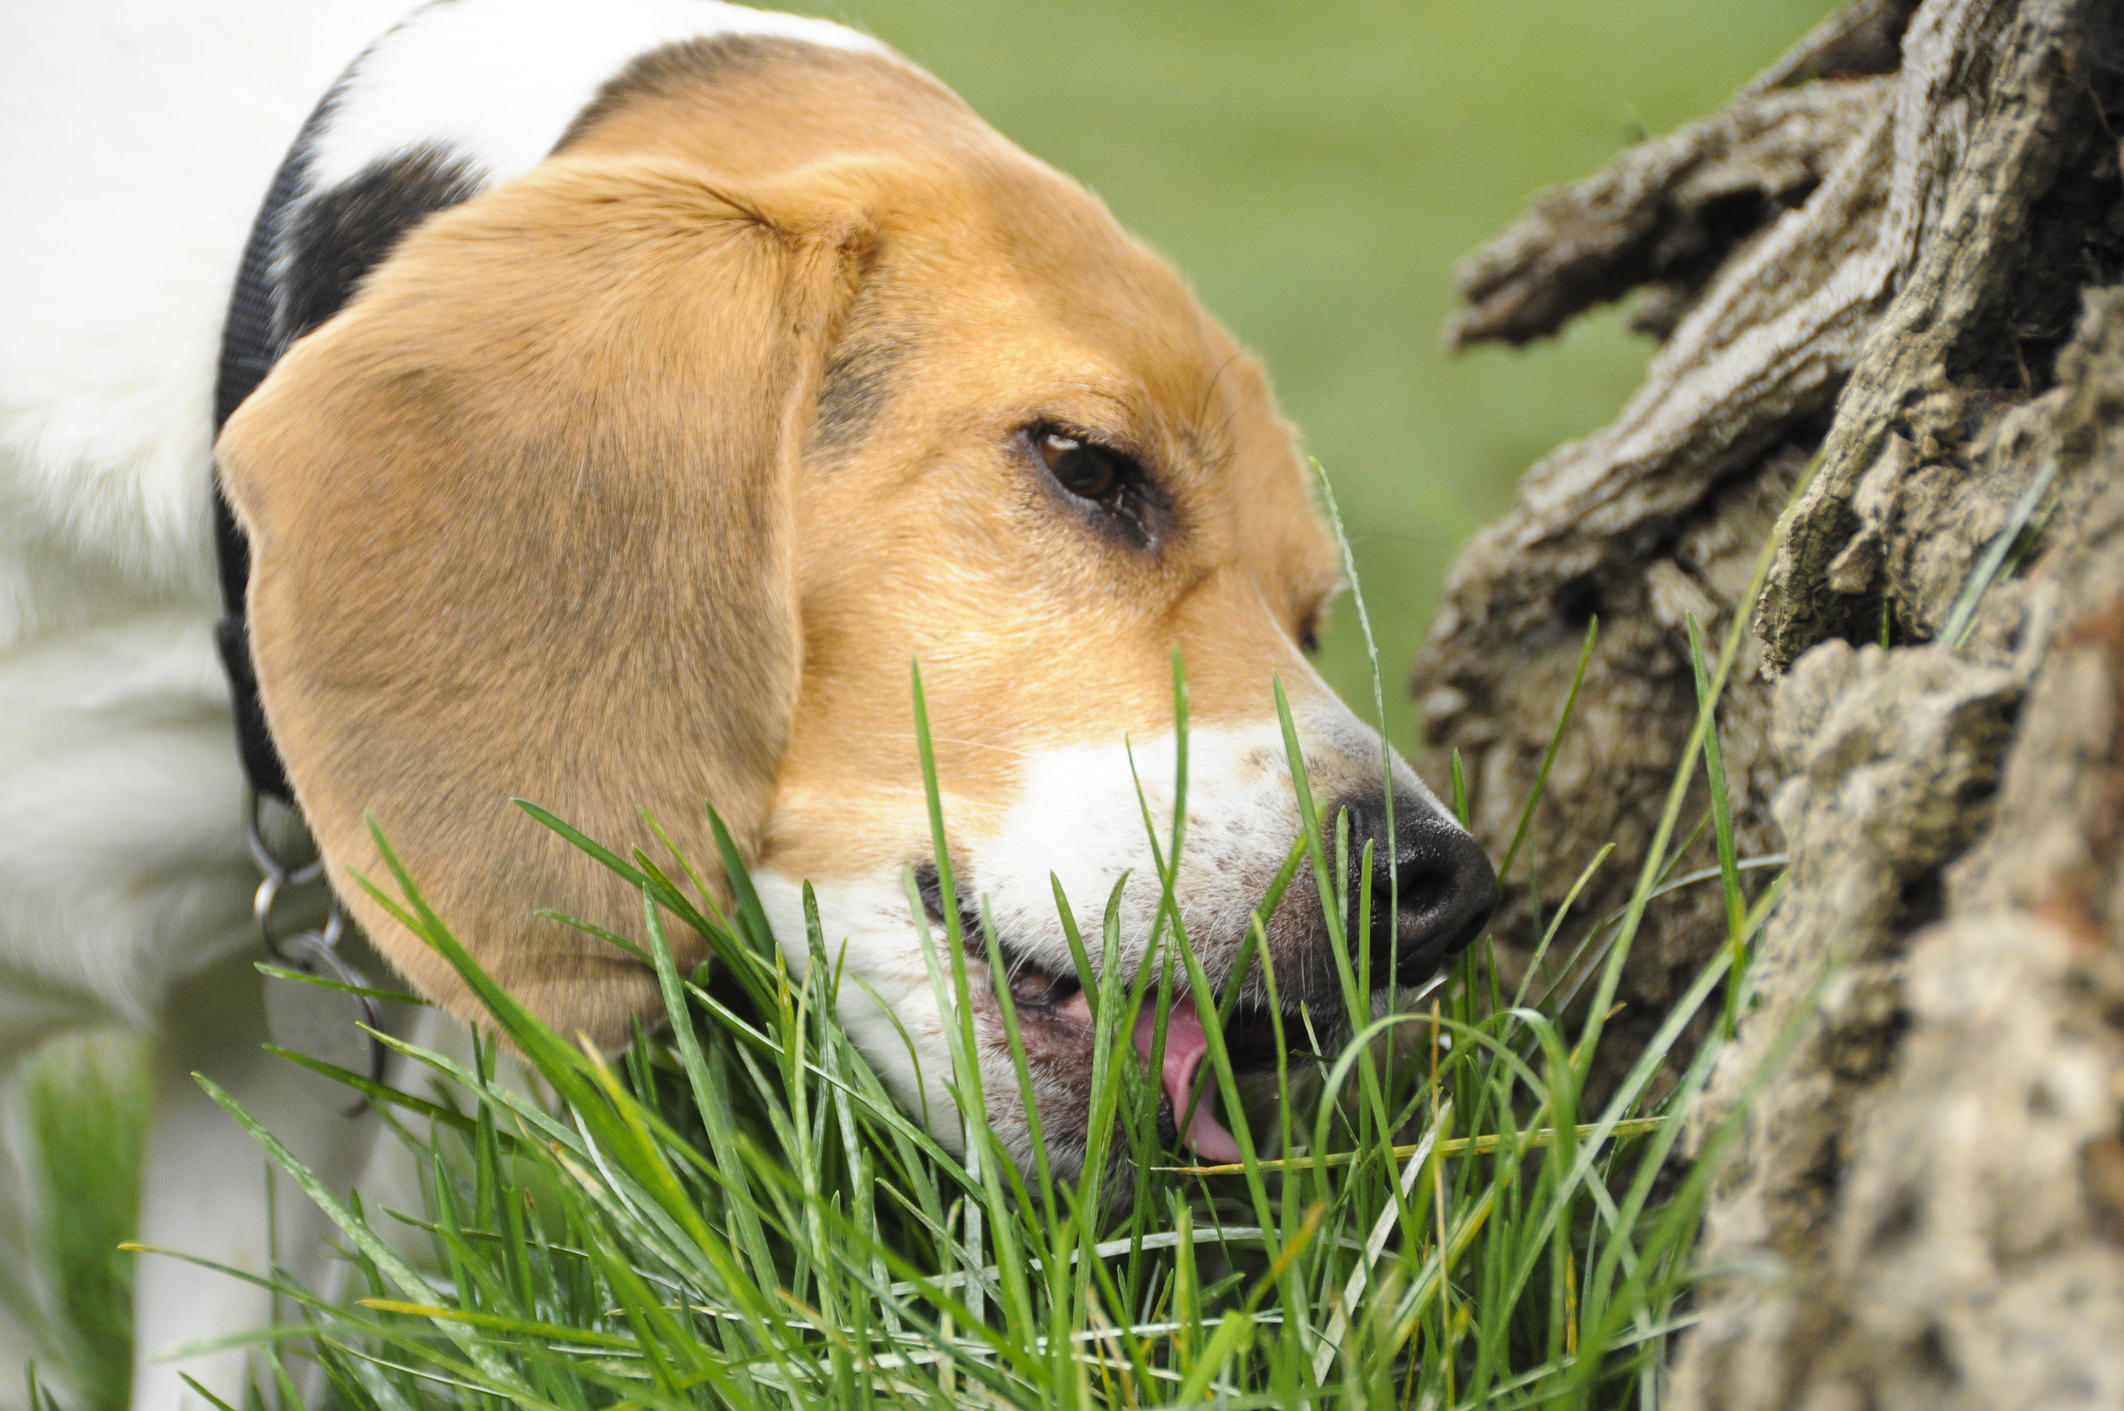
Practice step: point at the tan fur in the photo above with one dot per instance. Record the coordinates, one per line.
(641, 480)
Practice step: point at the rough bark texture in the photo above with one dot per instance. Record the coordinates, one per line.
(1898, 255)
(1931, 1184)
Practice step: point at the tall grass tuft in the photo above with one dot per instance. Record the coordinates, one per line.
(80, 1128)
(734, 1212)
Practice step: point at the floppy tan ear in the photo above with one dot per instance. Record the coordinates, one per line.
(520, 523)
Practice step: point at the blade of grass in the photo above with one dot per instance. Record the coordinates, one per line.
(1961, 618)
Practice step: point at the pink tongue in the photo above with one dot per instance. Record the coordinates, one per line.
(1185, 1044)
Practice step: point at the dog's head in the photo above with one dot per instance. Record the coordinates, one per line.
(641, 480)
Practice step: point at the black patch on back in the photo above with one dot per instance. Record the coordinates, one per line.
(686, 64)
(335, 237)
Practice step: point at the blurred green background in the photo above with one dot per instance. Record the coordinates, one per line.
(1316, 170)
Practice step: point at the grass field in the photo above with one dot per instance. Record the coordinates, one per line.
(1315, 170)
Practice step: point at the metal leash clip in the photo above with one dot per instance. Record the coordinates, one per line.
(310, 1019)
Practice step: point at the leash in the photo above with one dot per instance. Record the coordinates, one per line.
(318, 1019)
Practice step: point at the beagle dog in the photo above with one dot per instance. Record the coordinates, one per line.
(660, 379)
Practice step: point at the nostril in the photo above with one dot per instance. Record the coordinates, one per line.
(1432, 902)
(1418, 892)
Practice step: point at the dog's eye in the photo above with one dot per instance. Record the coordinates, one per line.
(1084, 468)
(1127, 498)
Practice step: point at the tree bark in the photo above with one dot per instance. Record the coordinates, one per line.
(1896, 261)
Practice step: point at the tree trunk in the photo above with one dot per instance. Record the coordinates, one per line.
(1890, 277)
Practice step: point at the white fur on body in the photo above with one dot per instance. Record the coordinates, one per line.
(137, 140)
(138, 143)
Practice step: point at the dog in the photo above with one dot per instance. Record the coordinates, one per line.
(652, 382)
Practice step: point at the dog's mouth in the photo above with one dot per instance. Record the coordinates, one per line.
(1054, 1003)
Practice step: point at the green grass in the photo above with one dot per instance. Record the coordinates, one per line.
(738, 1214)
(83, 1122)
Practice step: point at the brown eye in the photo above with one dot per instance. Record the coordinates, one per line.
(1118, 495)
(1087, 470)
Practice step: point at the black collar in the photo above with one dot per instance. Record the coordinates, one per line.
(307, 253)
(251, 342)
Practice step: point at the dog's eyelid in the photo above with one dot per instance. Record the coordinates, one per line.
(1056, 442)
(1103, 471)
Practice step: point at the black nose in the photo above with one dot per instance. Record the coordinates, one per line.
(1440, 882)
